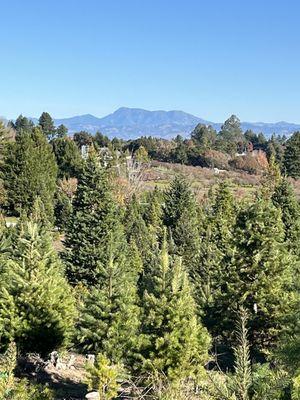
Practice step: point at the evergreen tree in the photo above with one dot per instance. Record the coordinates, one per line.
(61, 131)
(109, 318)
(37, 308)
(204, 136)
(23, 124)
(29, 171)
(231, 136)
(93, 226)
(174, 342)
(291, 161)
(259, 277)
(181, 219)
(137, 230)
(284, 198)
(153, 212)
(47, 125)
(216, 237)
(68, 158)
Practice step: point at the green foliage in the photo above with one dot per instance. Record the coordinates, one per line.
(67, 156)
(291, 160)
(61, 131)
(103, 376)
(109, 316)
(284, 198)
(180, 217)
(14, 389)
(242, 365)
(29, 171)
(94, 224)
(174, 342)
(204, 136)
(141, 155)
(47, 125)
(23, 124)
(296, 388)
(260, 275)
(36, 304)
(230, 138)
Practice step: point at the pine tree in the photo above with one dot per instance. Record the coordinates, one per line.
(181, 219)
(37, 308)
(291, 161)
(47, 125)
(61, 131)
(23, 124)
(259, 277)
(29, 171)
(284, 198)
(174, 342)
(109, 318)
(153, 212)
(94, 224)
(138, 232)
(68, 158)
(217, 221)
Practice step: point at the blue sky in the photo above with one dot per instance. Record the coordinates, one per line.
(209, 58)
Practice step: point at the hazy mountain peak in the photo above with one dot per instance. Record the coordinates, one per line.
(130, 123)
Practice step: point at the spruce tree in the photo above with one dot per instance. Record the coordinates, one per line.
(138, 232)
(68, 158)
(291, 160)
(37, 308)
(181, 218)
(29, 171)
(94, 224)
(109, 315)
(217, 220)
(173, 341)
(284, 198)
(259, 277)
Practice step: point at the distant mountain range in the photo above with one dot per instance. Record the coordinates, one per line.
(130, 123)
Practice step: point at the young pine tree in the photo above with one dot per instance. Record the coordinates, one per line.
(37, 308)
(109, 317)
(174, 342)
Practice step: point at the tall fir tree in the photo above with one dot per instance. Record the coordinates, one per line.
(29, 171)
(259, 277)
(94, 224)
(173, 340)
(217, 218)
(181, 219)
(291, 160)
(284, 198)
(68, 157)
(37, 307)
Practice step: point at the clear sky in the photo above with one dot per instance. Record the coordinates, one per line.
(209, 58)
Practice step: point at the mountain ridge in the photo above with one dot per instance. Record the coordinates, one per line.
(130, 123)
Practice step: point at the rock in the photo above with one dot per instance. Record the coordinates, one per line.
(93, 396)
(90, 358)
